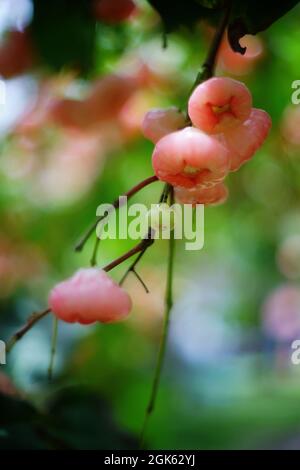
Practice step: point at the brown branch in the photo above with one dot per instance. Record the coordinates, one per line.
(208, 66)
(140, 248)
(79, 246)
(32, 320)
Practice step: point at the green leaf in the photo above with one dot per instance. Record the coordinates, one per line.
(251, 17)
(176, 13)
(247, 17)
(64, 34)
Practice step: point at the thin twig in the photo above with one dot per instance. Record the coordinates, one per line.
(131, 269)
(208, 66)
(32, 320)
(165, 193)
(35, 317)
(79, 246)
(164, 337)
(140, 248)
(163, 198)
(95, 252)
(53, 347)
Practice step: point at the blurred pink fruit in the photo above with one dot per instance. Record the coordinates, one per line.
(159, 122)
(105, 100)
(236, 63)
(90, 295)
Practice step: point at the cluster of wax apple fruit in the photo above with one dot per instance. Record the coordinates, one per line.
(226, 132)
(195, 160)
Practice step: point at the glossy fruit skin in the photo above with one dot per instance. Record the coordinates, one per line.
(209, 196)
(89, 296)
(113, 11)
(160, 122)
(190, 158)
(244, 140)
(218, 104)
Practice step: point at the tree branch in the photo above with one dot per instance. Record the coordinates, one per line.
(208, 66)
(32, 320)
(79, 246)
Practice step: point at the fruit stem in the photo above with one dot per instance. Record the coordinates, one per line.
(53, 347)
(165, 331)
(163, 198)
(95, 252)
(32, 320)
(79, 246)
(208, 66)
(139, 248)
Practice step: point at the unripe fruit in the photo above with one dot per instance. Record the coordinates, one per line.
(209, 196)
(90, 295)
(243, 141)
(160, 122)
(162, 218)
(190, 158)
(113, 11)
(218, 104)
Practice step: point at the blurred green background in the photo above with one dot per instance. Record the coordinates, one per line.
(228, 379)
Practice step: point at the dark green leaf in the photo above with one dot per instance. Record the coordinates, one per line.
(64, 34)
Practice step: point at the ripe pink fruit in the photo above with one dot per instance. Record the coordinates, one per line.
(244, 140)
(90, 295)
(16, 55)
(113, 11)
(219, 103)
(159, 122)
(210, 196)
(190, 158)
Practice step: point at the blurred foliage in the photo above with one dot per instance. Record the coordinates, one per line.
(64, 33)
(247, 17)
